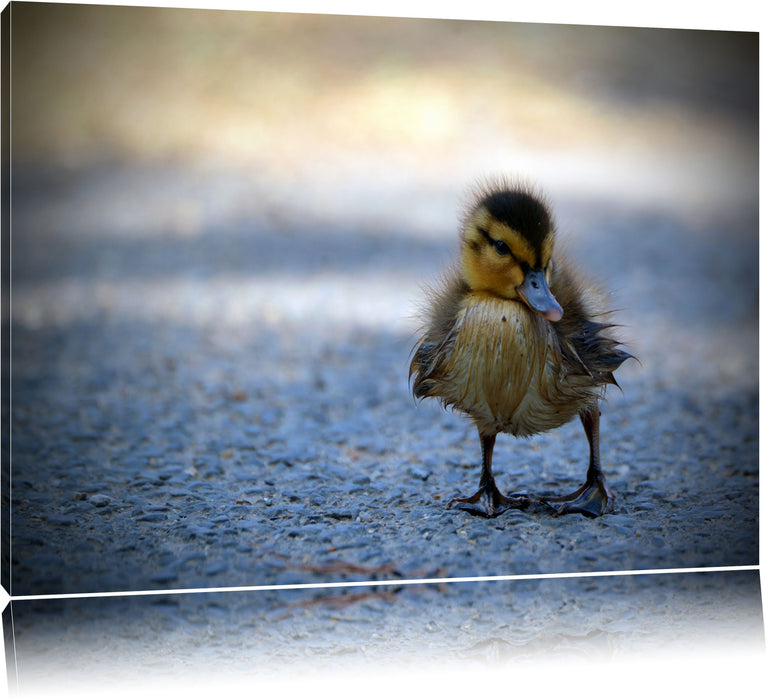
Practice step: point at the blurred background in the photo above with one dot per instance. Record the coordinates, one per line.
(171, 124)
(304, 98)
(332, 110)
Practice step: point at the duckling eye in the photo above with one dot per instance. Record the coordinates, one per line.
(501, 248)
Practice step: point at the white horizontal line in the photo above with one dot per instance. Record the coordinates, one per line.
(388, 582)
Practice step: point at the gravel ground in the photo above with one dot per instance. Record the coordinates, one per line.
(212, 411)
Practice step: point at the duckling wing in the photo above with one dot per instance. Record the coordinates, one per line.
(441, 315)
(585, 345)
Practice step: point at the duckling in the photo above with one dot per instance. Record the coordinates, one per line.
(510, 338)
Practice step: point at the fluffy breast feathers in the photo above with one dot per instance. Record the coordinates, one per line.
(507, 367)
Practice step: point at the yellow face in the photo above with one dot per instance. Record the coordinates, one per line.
(499, 260)
(495, 257)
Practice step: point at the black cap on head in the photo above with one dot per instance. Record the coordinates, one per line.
(521, 211)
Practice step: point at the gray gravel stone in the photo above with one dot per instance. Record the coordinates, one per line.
(100, 500)
(152, 517)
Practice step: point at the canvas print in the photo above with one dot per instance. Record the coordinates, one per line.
(296, 299)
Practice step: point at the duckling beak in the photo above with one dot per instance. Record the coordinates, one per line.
(535, 292)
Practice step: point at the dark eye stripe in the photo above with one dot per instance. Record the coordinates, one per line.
(500, 246)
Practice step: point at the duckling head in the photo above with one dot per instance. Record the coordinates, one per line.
(506, 251)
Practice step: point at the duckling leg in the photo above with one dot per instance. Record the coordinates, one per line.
(488, 500)
(593, 498)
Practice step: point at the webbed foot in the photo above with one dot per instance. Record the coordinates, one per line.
(592, 499)
(489, 502)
